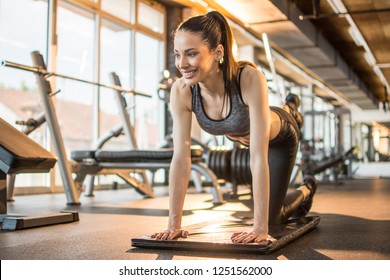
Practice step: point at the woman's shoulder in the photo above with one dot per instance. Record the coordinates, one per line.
(252, 81)
(249, 71)
(244, 63)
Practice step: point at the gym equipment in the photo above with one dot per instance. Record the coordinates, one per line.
(72, 187)
(214, 236)
(38, 69)
(143, 159)
(219, 160)
(336, 125)
(309, 167)
(20, 154)
(29, 126)
(313, 168)
(33, 123)
(271, 61)
(101, 162)
(231, 165)
(125, 128)
(371, 152)
(86, 162)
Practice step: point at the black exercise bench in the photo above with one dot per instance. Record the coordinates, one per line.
(20, 154)
(121, 163)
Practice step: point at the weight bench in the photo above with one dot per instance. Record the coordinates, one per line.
(214, 236)
(20, 154)
(122, 163)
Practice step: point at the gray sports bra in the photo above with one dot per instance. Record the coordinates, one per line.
(235, 124)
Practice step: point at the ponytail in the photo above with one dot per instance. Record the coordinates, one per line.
(229, 65)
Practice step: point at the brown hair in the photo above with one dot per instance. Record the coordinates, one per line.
(214, 29)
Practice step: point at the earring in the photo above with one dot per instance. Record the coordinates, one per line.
(221, 61)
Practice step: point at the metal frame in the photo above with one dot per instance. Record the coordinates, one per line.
(72, 191)
(17, 222)
(39, 70)
(122, 169)
(128, 129)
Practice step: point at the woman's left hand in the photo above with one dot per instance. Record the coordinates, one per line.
(250, 237)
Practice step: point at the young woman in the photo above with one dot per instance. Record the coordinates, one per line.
(231, 98)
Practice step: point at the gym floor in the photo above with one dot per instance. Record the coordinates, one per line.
(355, 225)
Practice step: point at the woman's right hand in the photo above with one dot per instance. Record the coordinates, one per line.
(170, 234)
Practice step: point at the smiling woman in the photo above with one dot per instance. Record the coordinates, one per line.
(190, 60)
(230, 97)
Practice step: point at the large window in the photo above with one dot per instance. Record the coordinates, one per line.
(88, 40)
(75, 58)
(150, 18)
(19, 99)
(149, 68)
(115, 56)
(123, 9)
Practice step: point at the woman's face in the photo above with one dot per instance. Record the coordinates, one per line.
(193, 57)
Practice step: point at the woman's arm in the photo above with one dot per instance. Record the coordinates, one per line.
(181, 162)
(255, 93)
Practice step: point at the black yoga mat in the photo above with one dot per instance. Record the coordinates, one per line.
(215, 237)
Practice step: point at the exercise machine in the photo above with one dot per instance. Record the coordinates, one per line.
(338, 164)
(20, 154)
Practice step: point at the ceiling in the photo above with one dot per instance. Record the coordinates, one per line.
(316, 37)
